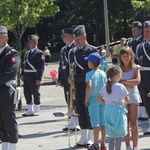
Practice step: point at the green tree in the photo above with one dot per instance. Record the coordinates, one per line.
(144, 4)
(73, 12)
(17, 15)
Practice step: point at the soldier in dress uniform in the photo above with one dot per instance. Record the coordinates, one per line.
(9, 64)
(32, 72)
(143, 57)
(137, 37)
(82, 50)
(68, 39)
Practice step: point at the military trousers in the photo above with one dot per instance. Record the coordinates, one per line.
(8, 123)
(146, 100)
(31, 89)
(82, 110)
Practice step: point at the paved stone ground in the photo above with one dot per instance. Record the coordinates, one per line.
(44, 132)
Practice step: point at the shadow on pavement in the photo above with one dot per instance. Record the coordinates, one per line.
(42, 122)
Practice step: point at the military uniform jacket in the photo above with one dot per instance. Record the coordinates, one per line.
(9, 64)
(64, 64)
(133, 44)
(143, 57)
(81, 65)
(33, 66)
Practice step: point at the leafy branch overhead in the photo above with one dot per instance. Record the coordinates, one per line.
(144, 4)
(25, 13)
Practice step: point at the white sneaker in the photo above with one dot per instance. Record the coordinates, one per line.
(128, 148)
(135, 148)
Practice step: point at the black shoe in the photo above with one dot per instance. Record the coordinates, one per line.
(87, 145)
(144, 119)
(25, 115)
(146, 133)
(20, 136)
(66, 129)
(79, 145)
(139, 118)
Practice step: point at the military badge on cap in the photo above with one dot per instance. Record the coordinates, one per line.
(67, 31)
(79, 30)
(33, 37)
(136, 24)
(146, 24)
(3, 30)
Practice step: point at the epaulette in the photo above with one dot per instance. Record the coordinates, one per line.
(141, 44)
(127, 41)
(40, 50)
(93, 47)
(13, 50)
(62, 49)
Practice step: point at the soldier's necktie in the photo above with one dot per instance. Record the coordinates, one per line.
(135, 41)
(147, 45)
(30, 52)
(80, 48)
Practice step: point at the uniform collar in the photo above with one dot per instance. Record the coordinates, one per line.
(32, 50)
(82, 46)
(1, 49)
(137, 38)
(69, 45)
(148, 42)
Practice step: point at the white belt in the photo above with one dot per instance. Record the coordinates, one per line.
(63, 67)
(10, 82)
(145, 68)
(26, 70)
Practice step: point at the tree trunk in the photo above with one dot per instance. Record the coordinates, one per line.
(19, 70)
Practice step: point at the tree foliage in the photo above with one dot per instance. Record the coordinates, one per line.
(72, 13)
(121, 13)
(17, 15)
(144, 4)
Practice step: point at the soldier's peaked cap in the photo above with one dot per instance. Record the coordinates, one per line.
(33, 37)
(3, 30)
(136, 24)
(146, 24)
(67, 31)
(79, 30)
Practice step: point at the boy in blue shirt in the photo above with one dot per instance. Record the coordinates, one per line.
(95, 80)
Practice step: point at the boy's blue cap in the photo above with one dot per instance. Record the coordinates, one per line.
(93, 57)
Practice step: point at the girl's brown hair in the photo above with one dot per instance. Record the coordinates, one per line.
(111, 72)
(126, 50)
